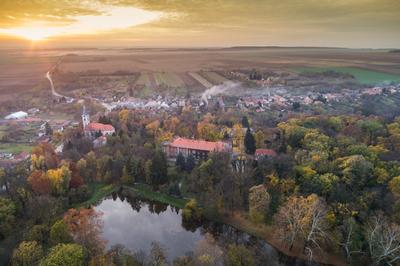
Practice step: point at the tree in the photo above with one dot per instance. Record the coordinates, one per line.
(48, 129)
(383, 240)
(38, 233)
(190, 163)
(192, 212)
(259, 200)
(239, 255)
(249, 142)
(303, 218)
(65, 255)
(245, 122)
(351, 237)
(7, 216)
(159, 168)
(59, 179)
(259, 138)
(157, 255)
(180, 162)
(27, 254)
(59, 233)
(85, 227)
(40, 182)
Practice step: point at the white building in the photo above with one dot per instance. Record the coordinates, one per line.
(17, 115)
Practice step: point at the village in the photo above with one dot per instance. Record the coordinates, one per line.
(262, 96)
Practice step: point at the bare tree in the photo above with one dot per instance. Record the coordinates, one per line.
(383, 240)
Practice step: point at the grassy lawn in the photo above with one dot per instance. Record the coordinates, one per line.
(362, 75)
(99, 191)
(15, 148)
(146, 192)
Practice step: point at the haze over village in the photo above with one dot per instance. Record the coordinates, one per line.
(199, 132)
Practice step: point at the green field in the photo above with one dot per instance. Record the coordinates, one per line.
(144, 80)
(15, 148)
(362, 75)
(168, 79)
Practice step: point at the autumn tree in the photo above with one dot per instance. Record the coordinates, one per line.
(40, 182)
(157, 255)
(85, 227)
(259, 200)
(239, 255)
(59, 179)
(27, 254)
(303, 218)
(64, 255)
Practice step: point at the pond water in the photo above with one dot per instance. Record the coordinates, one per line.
(136, 223)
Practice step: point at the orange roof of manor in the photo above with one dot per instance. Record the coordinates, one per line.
(198, 144)
(263, 152)
(99, 127)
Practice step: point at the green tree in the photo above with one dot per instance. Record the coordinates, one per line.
(7, 216)
(180, 162)
(239, 255)
(190, 163)
(59, 233)
(159, 169)
(249, 142)
(245, 122)
(27, 254)
(65, 255)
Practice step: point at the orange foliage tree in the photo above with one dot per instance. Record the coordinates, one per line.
(85, 226)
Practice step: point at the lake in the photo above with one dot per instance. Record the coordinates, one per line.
(136, 223)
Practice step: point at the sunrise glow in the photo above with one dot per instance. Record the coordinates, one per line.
(113, 18)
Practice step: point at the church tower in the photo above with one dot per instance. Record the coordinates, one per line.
(85, 118)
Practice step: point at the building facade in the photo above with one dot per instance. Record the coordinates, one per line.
(198, 148)
(95, 130)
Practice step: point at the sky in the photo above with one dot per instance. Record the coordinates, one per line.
(200, 23)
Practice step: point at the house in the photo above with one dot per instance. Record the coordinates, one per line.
(198, 148)
(100, 142)
(264, 153)
(92, 130)
(16, 115)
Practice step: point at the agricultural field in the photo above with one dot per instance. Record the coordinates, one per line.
(144, 80)
(361, 75)
(169, 79)
(213, 77)
(201, 80)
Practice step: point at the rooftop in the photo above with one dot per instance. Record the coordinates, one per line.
(198, 144)
(99, 127)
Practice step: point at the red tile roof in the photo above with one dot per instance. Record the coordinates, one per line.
(201, 145)
(265, 152)
(99, 127)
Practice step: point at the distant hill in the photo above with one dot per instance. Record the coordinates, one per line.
(394, 51)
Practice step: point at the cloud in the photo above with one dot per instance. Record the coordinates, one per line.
(224, 22)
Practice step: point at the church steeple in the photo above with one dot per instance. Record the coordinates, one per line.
(85, 118)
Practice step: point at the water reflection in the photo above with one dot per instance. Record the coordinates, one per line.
(136, 223)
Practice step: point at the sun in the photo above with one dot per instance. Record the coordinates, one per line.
(32, 34)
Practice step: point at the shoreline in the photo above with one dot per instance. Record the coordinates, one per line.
(239, 222)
